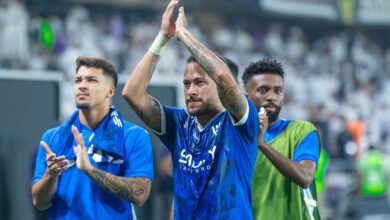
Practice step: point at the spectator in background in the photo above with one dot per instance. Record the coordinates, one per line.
(283, 183)
(15, 50)
(373, 168)
(345, 145)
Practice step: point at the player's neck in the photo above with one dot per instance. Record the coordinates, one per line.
(272, 123)
(203, 120)
(92, 117)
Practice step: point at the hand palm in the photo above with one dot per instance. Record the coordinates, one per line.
(168, 27)
(82, 160)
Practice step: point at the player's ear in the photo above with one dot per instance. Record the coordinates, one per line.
(111, 91)
(245, 92)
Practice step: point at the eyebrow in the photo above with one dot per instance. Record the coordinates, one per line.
(269, 87)
(87, 77)
(193, 80)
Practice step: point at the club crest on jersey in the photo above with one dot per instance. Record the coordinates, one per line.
(195, 137)
(115, 118)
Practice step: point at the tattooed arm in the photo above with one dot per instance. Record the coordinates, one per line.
(134, 189)
(229, 91)
(134, 92)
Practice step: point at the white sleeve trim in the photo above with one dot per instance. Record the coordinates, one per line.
(163, 122)
(243, 119)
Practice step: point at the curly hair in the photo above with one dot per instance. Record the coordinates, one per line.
(99, 63)
(263, 66)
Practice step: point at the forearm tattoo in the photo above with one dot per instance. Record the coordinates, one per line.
(151, 117)
(231, 96)
(205, 57)
(230, 100)
(134, 189)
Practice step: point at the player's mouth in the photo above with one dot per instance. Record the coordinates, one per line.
(270, 108)
(82, 95)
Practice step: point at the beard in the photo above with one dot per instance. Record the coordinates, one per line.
(205, 109)
(272, 117)
(83, 105)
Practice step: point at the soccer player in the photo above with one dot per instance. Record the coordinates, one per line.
(283, 185)
(95, 165)
(214, 142)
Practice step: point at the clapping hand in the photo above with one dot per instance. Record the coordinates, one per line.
(55, 165)
(82, 159)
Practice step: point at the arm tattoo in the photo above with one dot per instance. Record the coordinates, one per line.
(231, 102)
(152, 117)
(134, 189)
(229, 92)
(204, 56)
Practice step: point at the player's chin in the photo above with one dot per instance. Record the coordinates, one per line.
(193, 111)
(192, 107)
(82, 105)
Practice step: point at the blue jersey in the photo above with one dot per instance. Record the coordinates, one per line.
(78, 196)
(212, 165)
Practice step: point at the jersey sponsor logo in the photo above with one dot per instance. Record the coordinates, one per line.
(188, 163)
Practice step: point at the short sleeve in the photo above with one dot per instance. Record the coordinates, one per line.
(40, 162)
(171, 121)
(249, 125)
(139, 157)
(308, 149)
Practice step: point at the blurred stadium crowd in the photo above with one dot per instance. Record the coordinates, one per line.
(339, 79)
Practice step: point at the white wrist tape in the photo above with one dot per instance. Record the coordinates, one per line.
(159, 44)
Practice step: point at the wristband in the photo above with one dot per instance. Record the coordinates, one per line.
(159, 44)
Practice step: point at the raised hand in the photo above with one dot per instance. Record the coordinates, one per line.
(55, 165)
(263, 119)
(181, 22)
(82, 159)
(168, 27)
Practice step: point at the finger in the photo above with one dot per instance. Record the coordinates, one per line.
(50, 157)
(58, 167)
(52, 166)
(181, 10)
(169, 11)
(62, 164)
(46, 147)
(76, 134)
(171, 6)
(76, 150)
(59, 159)
(173, 3)
(181, 13)
(78, 137)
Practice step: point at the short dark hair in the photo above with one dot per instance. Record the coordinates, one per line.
(99, 63)
(263, 66)
(231, 65)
